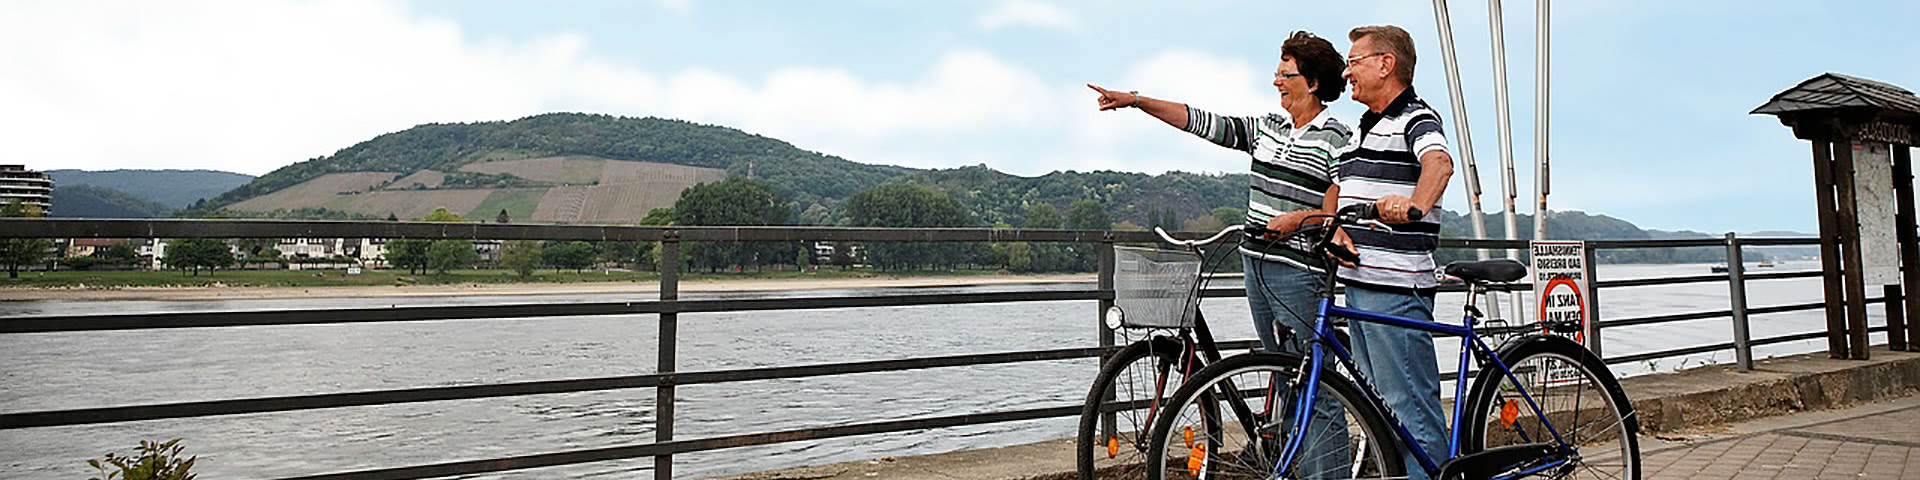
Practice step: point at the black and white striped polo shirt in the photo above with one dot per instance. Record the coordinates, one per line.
(1385, 160)
(1291, 170)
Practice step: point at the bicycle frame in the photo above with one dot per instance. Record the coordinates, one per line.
(1324, 342)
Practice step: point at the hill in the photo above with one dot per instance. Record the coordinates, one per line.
(173, 188)
(449, 147)
(100, 202)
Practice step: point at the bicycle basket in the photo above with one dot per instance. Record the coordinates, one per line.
(1155, 288)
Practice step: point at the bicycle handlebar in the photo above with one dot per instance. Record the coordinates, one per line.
(1195, 243)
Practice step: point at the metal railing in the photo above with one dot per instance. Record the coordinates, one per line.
(668, 306)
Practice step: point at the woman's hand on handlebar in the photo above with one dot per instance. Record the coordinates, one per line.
(1342, 241)
(1285, 224)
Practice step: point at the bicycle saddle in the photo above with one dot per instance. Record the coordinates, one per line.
(1496, 270)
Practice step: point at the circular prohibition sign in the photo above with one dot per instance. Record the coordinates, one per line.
(1579, 299)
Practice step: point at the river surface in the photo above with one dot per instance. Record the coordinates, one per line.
(80, 370)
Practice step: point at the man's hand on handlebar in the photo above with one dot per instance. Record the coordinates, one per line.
(1396, 209)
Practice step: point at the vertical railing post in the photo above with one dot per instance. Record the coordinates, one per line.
(1591, 267)
(669, 331)
(1737, 295)
(1896, 319)
(1105, 284)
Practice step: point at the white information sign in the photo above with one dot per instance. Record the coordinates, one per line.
(1560, 288)
(1873, 199)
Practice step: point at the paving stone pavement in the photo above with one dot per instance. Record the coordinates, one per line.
(1875, 441)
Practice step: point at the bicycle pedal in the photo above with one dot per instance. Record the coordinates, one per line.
(1494, 461)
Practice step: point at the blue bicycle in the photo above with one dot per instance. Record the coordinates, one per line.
(1540, 405)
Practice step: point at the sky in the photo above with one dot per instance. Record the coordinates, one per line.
(1649, 98)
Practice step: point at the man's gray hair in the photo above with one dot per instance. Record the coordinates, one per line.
(1396, 41)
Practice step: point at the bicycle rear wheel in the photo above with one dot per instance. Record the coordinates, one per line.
(1345, 437)
(1583, 403)
(1141, 377)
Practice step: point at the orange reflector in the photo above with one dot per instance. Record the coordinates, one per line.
(1113, 447)
(1196, 460)
(1188, 432)
(1509, 412)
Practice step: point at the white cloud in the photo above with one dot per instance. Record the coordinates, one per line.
(1027, 13)
(253, 86)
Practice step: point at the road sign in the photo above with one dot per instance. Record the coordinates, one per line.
(1560, 289)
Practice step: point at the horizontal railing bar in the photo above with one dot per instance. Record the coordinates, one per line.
(1778, 241)
(255, 228)
(1716, 277)
(79, 323)
(1681, 317)
(1722, 346)
(695, 445)
(465, 392)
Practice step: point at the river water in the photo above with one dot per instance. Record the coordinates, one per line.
(79, 370)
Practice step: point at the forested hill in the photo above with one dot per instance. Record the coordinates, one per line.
(447, 146)
(171, 188)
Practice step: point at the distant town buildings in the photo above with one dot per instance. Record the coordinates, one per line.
(17, 184)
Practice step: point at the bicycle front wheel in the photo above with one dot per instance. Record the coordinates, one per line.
(1252, 398)
(1583, 404)
(1132, 387)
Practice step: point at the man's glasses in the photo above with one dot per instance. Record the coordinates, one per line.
(1353, 60)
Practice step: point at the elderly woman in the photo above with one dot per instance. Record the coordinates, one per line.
(1292, 153)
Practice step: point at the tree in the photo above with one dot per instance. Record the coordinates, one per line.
(575, 255)
(735, 201)
(658, 216)
(503, 217)
(196, 254)
(1087, 215)
(907, 205)
(449, 254)
(442, 215)
(521, 256)
(17, 252)
(1041, 215)
(392, 218)
(1230, 215)
(408, 253)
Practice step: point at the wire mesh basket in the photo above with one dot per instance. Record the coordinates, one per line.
(1155, 288)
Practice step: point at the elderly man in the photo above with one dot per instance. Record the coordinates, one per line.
(1400, 161)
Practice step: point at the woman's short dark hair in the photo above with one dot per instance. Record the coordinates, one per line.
(1319, 62)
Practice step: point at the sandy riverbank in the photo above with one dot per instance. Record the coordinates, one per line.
(725, 285)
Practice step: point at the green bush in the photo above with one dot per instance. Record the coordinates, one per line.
(152, 461)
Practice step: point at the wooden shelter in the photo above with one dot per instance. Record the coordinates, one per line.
(1850, 120)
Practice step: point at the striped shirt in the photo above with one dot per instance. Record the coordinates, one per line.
(1292, 169)
(1386, 161)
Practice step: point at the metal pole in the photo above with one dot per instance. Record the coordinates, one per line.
(1107, 420)
(669, 330)
(1501, 114)
(1543, 80)
(1737, 295)
(1444, 23)
(1591, 268)
(1443, 20)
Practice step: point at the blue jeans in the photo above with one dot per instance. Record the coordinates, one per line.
(1400, 363)
(1285, 295)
